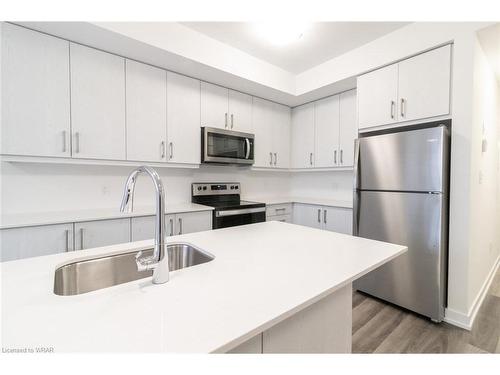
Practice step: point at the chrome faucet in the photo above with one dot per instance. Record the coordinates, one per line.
(158, 262)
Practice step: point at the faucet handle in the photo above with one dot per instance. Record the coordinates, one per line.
(145, 263)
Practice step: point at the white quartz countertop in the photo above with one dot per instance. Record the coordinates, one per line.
(60, 217)
(262, 274)
(306, 200)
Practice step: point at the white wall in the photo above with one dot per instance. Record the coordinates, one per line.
(485, 178)
(327, 185)
(29, 188)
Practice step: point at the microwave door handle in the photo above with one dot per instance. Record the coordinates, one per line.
(247, 141)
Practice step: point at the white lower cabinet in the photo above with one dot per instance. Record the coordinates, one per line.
(101, 233)
(279, 212)
(143, 228)
(335, 219)
(27, 242)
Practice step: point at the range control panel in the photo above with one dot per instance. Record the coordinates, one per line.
(215, 188)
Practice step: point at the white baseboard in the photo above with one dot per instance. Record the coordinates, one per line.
(466, 321)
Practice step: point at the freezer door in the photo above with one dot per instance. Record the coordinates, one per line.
(415, 160)
(415, 280)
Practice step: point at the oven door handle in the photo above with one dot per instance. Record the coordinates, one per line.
(247, 141)
(239, 212)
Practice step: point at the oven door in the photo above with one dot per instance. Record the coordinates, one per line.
(226, 146)
(232, 218)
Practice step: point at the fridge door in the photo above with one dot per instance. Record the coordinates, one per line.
(415, 280)
(412, 160)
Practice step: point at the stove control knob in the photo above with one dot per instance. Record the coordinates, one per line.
(204, 188)
(199, 188)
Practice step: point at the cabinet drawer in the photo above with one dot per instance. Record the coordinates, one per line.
(279, 209)
(284, 218)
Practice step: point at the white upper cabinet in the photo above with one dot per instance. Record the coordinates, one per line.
(35, 93)
(412, 89)
(183, 119)
(302, 150)
(146, 107)
(214, 106)
(97, 104)
(424, 85)
(327, 132)
(271, 126)
(262, 128)
(377, 97)
(348, 130)
(281, 135)
(240, 112)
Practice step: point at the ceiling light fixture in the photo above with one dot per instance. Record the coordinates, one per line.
(281, 34)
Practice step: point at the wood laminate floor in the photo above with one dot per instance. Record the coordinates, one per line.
(378, 327)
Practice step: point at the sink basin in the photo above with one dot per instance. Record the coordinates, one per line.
(86, 275)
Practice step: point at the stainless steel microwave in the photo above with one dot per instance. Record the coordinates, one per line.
(226, 146)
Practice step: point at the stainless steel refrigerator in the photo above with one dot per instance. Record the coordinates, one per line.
(401, 196)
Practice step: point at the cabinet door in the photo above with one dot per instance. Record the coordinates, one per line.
(262, 128)
(101, 233)
(308, 215)
(26, 242)
(240, 111)
(190, 222)
(377, 97)
(146, 107)
(348, 128)
(424, 85)
(337, 219)
(143, 228)
(97, 104)
(214, 106)
(170, 227)
(302, 150)
(281, 136)
(326, 120)
(35, 93)
(183, 119)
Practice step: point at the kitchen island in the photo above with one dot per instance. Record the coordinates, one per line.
(272, 287)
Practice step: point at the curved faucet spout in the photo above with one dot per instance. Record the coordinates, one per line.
(158, 262)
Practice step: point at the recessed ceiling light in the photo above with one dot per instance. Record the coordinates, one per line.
(279, 33)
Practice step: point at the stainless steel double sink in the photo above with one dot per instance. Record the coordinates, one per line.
(86, 275)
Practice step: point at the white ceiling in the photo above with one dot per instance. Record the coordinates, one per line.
(322, 41)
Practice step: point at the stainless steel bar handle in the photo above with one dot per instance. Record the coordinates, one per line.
(82, 242)
(280, 209)
(335, 157)
(180, 225)
(64, 147)
(275, 158)
(171, 146)
(270, 158)
(77, 142)
(392, 108)
(341, 156)
(247, 141)
(311, 158)
(324, 216)
(66, 233)
(355, 203)
(403, 107)
(319, 215)
(232, 120)
(162, 146)
(171, 227)
(225, 120)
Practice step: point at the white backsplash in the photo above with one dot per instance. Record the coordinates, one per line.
(29, 188)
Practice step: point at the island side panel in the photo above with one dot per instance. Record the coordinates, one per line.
(251, 346)
(324, 327)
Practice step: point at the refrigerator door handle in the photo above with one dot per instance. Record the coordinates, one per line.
(355, 200)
